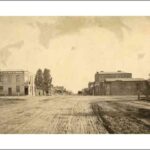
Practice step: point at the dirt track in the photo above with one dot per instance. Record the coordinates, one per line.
(74, 114)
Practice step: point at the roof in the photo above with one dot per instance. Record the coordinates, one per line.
(119, 72)
(124, 79)
(91, 82)
(13, 71)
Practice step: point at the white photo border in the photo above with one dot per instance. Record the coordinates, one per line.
(74, 8)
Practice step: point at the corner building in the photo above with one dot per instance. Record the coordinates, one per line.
(16, 83)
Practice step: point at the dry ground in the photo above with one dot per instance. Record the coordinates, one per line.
(74, 114)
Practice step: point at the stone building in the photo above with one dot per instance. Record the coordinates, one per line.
(116, 83)
(15, 83)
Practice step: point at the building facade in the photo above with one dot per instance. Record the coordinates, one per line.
(15, 83)
(101, 76)
(91, 88)
(124, 86)
(116, 83)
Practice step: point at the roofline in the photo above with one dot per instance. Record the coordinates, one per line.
(114, 73)
(124, 79)
(13, 71)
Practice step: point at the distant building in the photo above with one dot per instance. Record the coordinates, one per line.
(79, 92)
(85, 91)
(15, 83)
(59, 90)
(91, 88)
(101, 76)
(116, 83)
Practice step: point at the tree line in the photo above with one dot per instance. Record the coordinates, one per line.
(43, 81)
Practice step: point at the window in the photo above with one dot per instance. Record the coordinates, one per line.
(1, 88)
(17, 78)
(1, 78)
(9, 78)
(17, 89)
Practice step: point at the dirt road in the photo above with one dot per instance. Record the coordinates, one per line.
(74, 114)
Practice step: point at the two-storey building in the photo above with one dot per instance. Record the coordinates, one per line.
(13, 83)
(116, 83)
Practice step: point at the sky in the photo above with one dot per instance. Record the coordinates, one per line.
(75, 48)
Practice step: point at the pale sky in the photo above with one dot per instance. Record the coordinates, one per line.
(74, 48)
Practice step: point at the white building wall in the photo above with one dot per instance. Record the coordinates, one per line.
(12, 79)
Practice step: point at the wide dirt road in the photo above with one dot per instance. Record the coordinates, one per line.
(74, 114)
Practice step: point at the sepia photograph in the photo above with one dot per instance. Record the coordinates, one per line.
(74, 75)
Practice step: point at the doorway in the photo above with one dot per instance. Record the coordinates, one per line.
(9, 91)
(26, 91)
